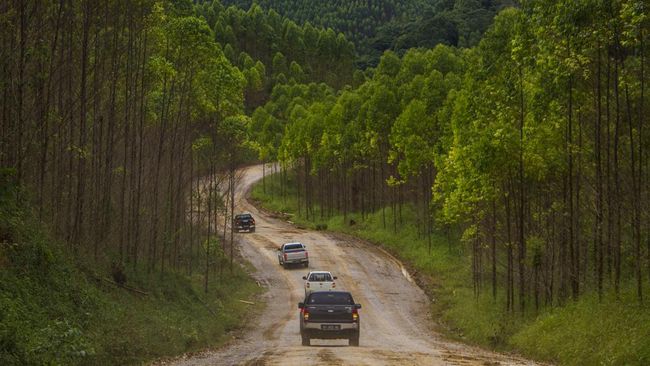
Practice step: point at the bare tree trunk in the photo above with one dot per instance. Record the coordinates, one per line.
(522, 199)
(232, 210)
(598, 229)
(493, 244)
(617, 191)
(510, 298)
(636, 221)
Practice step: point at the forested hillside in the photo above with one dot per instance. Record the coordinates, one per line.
(544, 119)
(532, 146)
(502, 151)
(271, 49)
(378, 25)
(109, 113)
(111, 116)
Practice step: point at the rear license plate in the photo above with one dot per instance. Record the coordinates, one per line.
(330, 327)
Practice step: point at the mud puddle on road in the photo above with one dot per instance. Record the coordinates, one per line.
(347, 356)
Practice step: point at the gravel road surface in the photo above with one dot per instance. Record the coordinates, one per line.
(396, 327)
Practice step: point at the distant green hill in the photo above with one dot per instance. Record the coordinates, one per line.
(377, 25)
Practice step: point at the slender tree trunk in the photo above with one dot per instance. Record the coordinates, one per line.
(232, 210)
(510, 276)
(636, 222)
(598, 229)
(493, 244)
(617, 190)
(522, 199)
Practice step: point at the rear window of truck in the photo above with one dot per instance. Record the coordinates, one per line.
(293, 246)
(320, 277)
(330, 298)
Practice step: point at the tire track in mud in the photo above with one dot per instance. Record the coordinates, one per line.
(271, 331)
(328, 358)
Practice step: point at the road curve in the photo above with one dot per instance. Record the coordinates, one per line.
(396, 327)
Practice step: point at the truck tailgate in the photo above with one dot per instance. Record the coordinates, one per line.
(320, 286)
(330, 313)
(295, 254)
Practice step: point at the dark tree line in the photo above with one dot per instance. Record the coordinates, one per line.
(378, 25)
(271, 49)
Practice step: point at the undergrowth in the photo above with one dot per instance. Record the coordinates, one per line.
(57, 309)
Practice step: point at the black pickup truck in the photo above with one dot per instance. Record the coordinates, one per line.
(244, 221)
(329, 315)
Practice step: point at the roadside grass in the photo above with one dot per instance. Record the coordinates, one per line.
(582, 332)
(591, 332)
(177, 317)
(55, 311)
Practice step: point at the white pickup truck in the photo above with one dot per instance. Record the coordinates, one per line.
(319, 281)
(291, 253)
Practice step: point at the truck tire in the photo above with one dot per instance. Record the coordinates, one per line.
(306, 341)
(354, 341)
(306, 264)
(252, 230)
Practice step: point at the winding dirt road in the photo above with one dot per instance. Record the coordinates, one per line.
(396, 328)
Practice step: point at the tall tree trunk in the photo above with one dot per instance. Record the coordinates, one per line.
(493, 244)
(598, 228)
(522, 199)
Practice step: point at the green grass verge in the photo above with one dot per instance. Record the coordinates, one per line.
(53, 311)
(583, 332)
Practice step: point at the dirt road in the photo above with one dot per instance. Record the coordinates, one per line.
(396, 328)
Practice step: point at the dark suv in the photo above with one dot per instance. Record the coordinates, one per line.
(329, 315)
(244, 221)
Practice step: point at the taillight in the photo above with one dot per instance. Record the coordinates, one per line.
(305, 314)
(355, 315)
(333, 284)
(307, 284)
(285, 256)
(253, 220)
(306, 254)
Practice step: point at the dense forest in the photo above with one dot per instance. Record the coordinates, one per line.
(533, 143)
(113, 110)
(271, 50)
(378, 25)
(110, 111)
(518, 131)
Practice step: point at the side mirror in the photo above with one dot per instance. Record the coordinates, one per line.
(304, 278)
(336, 278)
(301, 305)
(357, 306)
